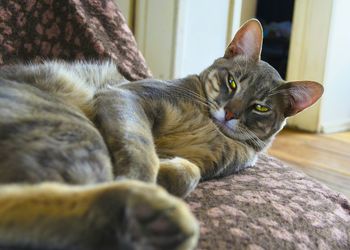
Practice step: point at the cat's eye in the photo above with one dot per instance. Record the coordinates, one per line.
(231, 82)
(261, 108)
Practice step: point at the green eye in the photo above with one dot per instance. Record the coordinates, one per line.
(231, 81)
(261, 108)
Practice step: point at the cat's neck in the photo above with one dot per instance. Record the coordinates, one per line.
(192, 82)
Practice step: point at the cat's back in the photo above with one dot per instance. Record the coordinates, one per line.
(42, 126)
(74, 83)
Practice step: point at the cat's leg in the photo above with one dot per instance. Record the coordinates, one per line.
(178, 176)
(120, 215)
(127, 131)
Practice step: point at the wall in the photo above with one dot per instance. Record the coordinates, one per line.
(335, 106)
(202, 31)
(181, 37)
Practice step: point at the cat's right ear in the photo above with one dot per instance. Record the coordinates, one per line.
(299, 95)
(247, 41)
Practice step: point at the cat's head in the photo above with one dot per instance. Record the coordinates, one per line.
(248, 99)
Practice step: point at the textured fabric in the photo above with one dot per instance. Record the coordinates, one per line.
(270, 206)
(68, 29)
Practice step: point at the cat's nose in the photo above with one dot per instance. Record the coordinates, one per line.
(229, 115)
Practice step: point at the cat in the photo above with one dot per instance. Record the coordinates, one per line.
(82, 149)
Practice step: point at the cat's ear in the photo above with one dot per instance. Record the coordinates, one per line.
(247, 41)
(299, 95)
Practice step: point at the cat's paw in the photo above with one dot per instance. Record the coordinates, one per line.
(153, 219)
(178, 176)
(112, 216)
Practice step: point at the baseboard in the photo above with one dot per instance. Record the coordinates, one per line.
(335, 127)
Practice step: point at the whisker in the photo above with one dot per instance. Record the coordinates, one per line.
(191, 97)
(250, 135)
(182, 92)
(190, 93)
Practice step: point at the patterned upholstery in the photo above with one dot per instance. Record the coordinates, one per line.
(68, 29)
(270, 206)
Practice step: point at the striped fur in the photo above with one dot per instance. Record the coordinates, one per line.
(83, 124)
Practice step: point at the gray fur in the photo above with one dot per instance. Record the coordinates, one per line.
(82, 124)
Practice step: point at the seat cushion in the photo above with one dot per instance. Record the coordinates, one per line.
(270, 206)
(68, 30)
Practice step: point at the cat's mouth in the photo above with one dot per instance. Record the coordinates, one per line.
(239, 133)
(225, 128)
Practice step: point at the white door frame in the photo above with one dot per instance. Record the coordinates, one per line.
(308, 53)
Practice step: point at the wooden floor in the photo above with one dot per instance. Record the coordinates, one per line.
(324, 157)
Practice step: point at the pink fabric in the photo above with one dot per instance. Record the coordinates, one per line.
(68, 29)
(270, 206)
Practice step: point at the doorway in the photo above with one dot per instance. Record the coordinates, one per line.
(276, 19)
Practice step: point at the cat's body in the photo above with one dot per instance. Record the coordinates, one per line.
(83, 124)
(180, 123)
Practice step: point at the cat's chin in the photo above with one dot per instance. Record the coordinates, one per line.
(225, 129)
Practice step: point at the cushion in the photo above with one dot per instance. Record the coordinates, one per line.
(80, 29)
(270, 206)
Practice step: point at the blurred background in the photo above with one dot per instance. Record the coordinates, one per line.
(303, 40)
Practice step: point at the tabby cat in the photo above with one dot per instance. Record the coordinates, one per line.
(81, 149)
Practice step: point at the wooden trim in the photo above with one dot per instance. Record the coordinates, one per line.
(239, 12)
(234, 19)
(179, 33)
(248, 10)
(155, 25)
(132, 14)
(308, 52)
(230, 22)
(140, 22)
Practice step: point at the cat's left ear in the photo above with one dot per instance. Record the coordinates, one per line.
(299, 95)
(247, 41)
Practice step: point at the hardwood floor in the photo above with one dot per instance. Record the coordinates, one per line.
(324, 157)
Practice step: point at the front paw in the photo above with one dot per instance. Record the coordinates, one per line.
(178, 176)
